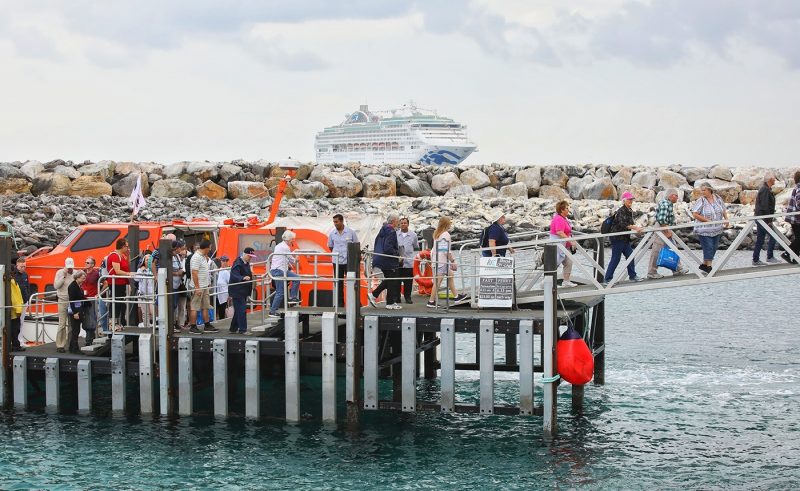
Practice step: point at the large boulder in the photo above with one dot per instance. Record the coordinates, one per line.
(728, 191)
(68, 171)
(15, 185)
(125, 186)
(516, 190)
(554, 193)
(669, 179)
(173, 171)
(102, 169)
(229, 172)
(645, 179)
(308, 189)
(623, 177)
(211, 190)
(8, 171)
(204, 171)
(171, 188)
(246, 190)
(52, 184)
(532, 178)
(32, 168)
(416, 188)
(601, 188)
(340, 184)
(554, 176)
(90, 187)
(720, 172)
(641, 194)
(441, 183)
(748, 196)
(377, 186)
(125, 168)
(487, 192)
(461, 190)
(474, 178)
(694, 173)
(575, 185)
(749, 178)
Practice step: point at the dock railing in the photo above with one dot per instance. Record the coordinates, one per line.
(315, 278)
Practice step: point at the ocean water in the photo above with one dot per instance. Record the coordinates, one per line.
(702, 391)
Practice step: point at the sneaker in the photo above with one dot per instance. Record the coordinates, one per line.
(772, 260)
(704, 268)
(394, 306)
(195, 330)
(460, 297)
(431, 304)
(680, 272)
(372, 299)
(210, 328)
(655, 276)
(294, 301)
(786, 257)
(758, 262)
(408, 301)
(274, 315)
(246, 333)
(568, 284)
(636, 279)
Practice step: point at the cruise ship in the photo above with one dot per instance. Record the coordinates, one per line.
(405, 135)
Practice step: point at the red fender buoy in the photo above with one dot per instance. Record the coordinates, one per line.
(575, 360)
(423, 274)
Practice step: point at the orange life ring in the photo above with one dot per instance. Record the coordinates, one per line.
(423, 274)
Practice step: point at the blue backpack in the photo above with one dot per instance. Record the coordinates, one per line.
(605, 227)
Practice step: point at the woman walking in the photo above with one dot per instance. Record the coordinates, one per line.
(621, 244)
(560, 228)
(709, 208)
(443, 262)
(794, 220)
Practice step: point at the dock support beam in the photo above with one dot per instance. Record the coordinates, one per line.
(599, 331)
(328, 367)
(185, 377)
(164, 321)
(146, 386)
(550, 427)
(526, 367)
(409, 364)
(292, 354)
(486, 338)
(118, 379)
(21, 382)
(371, 363)
(84, 386)
(252, 380)
(352, 350)
(447, 333)
(220, 377)
(52, 384)
(5, 321)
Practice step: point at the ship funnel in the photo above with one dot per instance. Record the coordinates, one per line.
(289, 164)
(363, 108)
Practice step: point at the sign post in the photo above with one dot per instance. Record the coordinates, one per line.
(496, 283)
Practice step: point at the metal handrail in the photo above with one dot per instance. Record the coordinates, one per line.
(315, 278)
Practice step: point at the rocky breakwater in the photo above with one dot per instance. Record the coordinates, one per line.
(53, 197)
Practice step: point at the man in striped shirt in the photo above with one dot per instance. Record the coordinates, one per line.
(201, 298)
(665, 217)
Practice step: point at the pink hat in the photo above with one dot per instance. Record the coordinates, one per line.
(627, 195)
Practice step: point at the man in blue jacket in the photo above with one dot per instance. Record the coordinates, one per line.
(239, 289)
(386, 259)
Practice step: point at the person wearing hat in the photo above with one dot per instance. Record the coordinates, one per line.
(239, 288)
(221, 290)
(495, 238)
(621, 244)
(709, 208)
(665, 217)
(178, 283)
(64, 277)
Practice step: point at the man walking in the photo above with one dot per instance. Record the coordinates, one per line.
(239, 289)
(338, 240)
(665, 217)
(280, 269)
(408, 243)
(201, 296)
(90, 291)
(765, 205)
(385, 259)
(64, 277)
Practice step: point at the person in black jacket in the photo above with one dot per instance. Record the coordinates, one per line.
(386, 259)
(76, 309)
(765, 205)
(621, 244)
(239, 289)
(21, 277)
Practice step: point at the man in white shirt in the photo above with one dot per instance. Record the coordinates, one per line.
(201, 298)
(279, 269)
(338, 240)
(408, 243)
(61, 283)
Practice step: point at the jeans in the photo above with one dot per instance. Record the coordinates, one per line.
(760, 233)
(341, 274)
(120, 292)
(239, 319)
(391, 284)
(618, 249)
(709, 244)
(16, 324)
(90, 317)
(102, 308)
(795, 245)
(294, 288)
(406, 280)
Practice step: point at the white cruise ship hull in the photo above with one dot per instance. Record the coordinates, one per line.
(434, 154)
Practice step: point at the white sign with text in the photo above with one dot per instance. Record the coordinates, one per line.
(496, 285)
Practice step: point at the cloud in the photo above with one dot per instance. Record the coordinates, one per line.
(273, 51)
(31, 42)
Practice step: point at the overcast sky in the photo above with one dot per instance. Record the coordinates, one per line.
(551, 82)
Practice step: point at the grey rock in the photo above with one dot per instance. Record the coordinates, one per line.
(720, 172)
(516, 190)
(173, 171)
(8, 171)
(645, 179)
(204, 171)
(694, 173)
(575, 186)
(601, 189)
(531, 177)
(101, 169)
(70, 172)
(416, 188)
(309, 189)
(461, 190)
(474, 178)
(554, 176)
(124, 187)
(441, 183)
(172, 188)
(229, 172)
(52, 184)
(623, 176)
(487, 192)
(32, 169)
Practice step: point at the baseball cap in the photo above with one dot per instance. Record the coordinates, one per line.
(69, 263)
(250, 251)
(627, 195)
(224, 258)
(178, 243)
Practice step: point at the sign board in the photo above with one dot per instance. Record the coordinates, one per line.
(496, 282)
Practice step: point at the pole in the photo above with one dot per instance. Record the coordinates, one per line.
(5, 320)
(599, 331)
(550, 426)
(131, 313)
(166, 321)
(352, 320)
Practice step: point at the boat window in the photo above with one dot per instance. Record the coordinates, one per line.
(66, 242)
(95, 239)
(144, 235)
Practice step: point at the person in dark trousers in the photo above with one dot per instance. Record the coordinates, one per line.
(765, 205)
(338, 240)
(20, 274)
(408, 243)
(385, 259)
(621, 244)
(794, 220)
(17, 305)
(495, 238)
(239, 289)
(76, 311)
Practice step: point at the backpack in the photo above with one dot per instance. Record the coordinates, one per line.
(104, 266)
(485, 238)
(605, 227)
(187, 271)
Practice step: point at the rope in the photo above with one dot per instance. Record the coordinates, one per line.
(550, 380)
